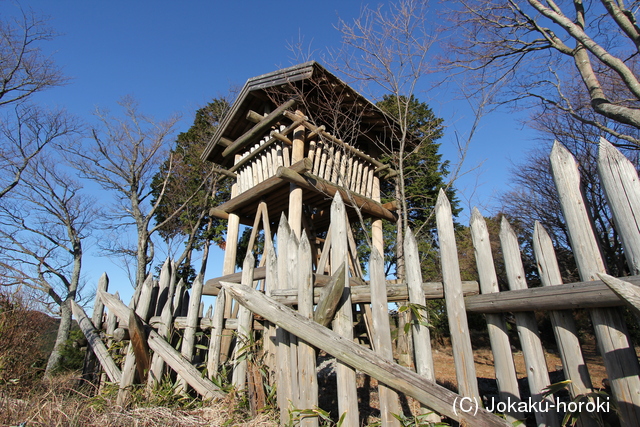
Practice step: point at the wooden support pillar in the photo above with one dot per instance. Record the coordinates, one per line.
(295, 192)
(376, 227)
(229, 267)
(343, 322)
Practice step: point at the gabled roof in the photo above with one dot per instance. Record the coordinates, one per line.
(322, 94)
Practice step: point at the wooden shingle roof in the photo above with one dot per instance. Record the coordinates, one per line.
(322, 96)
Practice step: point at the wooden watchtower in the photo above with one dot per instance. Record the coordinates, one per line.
(292, 139)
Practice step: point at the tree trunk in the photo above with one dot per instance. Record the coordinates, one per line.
(63, 335)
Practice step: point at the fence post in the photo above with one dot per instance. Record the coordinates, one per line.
(421, 336)
(91, 368)
(278, 280)
(611, 332)
(167, 277)
(527, 325)
(496, 325)
(382, 336)
(189, 337)
(622, 188)
(343, 323)
(306, 353)
(452, 284)
(243, 333)
(129, 369)
(564, 326)
(216, 335)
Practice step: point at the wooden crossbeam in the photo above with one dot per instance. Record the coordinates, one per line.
(258, 129)
(311, 182)
(391, 374)
(561, 297)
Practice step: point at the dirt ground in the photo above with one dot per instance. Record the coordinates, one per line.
(483, 357)
(445, 375)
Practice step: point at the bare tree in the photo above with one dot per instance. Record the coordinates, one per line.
(184, 175)
(24, 69)
(391, 49)
(43, 228)
(534, 196)
(123, 156)
(537, 51)
(24, 133)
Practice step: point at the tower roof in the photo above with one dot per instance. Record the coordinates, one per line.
(322, 96)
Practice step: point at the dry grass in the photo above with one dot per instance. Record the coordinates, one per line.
(59, 404)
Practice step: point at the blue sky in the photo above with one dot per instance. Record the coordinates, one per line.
(173, 57)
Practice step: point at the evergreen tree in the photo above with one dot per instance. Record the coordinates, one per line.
(187, 172)
(425, 174)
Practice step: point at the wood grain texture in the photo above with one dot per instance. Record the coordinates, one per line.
(536, 365)
(612, 336)
(401, 379)
(458, 326)
(496, 324)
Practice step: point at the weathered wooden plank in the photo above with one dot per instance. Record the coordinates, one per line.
(167, 279)
(401, 379)
(622, 188)
(382, 337)
(329, 167)
(291, 262)
(358, 180)
(569, 296)
(419, 329)
(458, 327)
(259, 190)
(343, 322)
(138, 337)
(537, 374)
(259, 129)
(229, 266)
(354, 175)
(564, 327)
(129, 368)
(286, 156)
(295, 193)
(170, 355)
(337, 162)
(189, 337)
(367, 206)
(421, 335)
(342, 176)
(269, 339)
(323, 161)
(317, 157)
(625, 290)
(284, 376)
(321, 267)
(496, 325)
(178, 298)
(268, 160)
(216, 335)
(612, 336)
(96, 343)
(308, 378)
(312, 149)
(239, 378)
(258, 166)
(329, 298)
(90, 365)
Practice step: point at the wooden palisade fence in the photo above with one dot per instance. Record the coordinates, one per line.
(287, 309)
